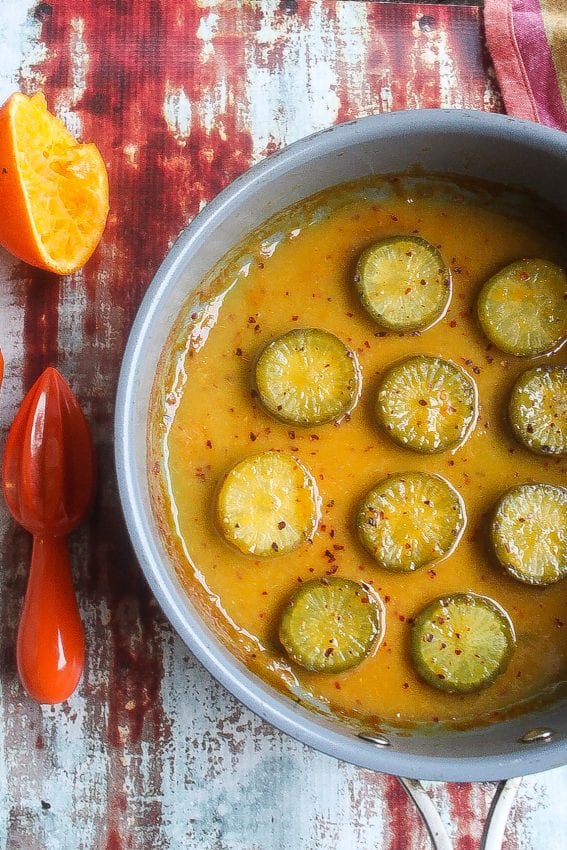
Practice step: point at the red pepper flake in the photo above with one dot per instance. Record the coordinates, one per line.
(313, 437)
(311, 569)
(350, 315)
(238, 352)
(409, 288)
(202, 472)
(453, 323)
(387, 598)
(524, 276)
(394, 217)
(275, 547)
(489, 358)
(294, 318)
(337, 547)
(291, 435)
(451, 463)
(406, 685)
(251, 320)
(423, 402)
(458, 652)
(431, 573)
(209, 444)
(256, 329)
(365, 599)
(338, 686)
(299, 579)
(194, 316)
(440, 675)
(261, 266)
(559, 623)
(401, 618)
(476, 370)
(435, 719)
(330, 556)
(329, 651)
(332, 570)
(264, 593)
(281, 524)
(253, 436)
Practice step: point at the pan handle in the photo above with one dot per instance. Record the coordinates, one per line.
(494, 828)
(429, 814)
(495, 825)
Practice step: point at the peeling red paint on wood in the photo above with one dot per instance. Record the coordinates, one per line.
(403, 819)
(41, 322)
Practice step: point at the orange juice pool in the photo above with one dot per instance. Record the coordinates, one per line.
(298, 271)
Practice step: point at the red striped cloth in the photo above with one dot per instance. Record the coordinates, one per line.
(527, 40)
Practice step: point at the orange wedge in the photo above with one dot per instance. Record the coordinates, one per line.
(53, 190)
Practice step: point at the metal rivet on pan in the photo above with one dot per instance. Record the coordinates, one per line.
(378, 739)
(534, 735)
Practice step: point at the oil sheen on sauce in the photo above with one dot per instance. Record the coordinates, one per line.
(297, 271)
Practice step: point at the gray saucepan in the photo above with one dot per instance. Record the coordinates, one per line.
(481, 145)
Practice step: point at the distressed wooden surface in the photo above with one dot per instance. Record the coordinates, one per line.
(182, 96)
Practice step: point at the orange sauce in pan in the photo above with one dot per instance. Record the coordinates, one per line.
(298, 271)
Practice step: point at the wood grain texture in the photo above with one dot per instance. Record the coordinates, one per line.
(182, 96)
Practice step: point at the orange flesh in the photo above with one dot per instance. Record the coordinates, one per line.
(205, 420)
(55, 190)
